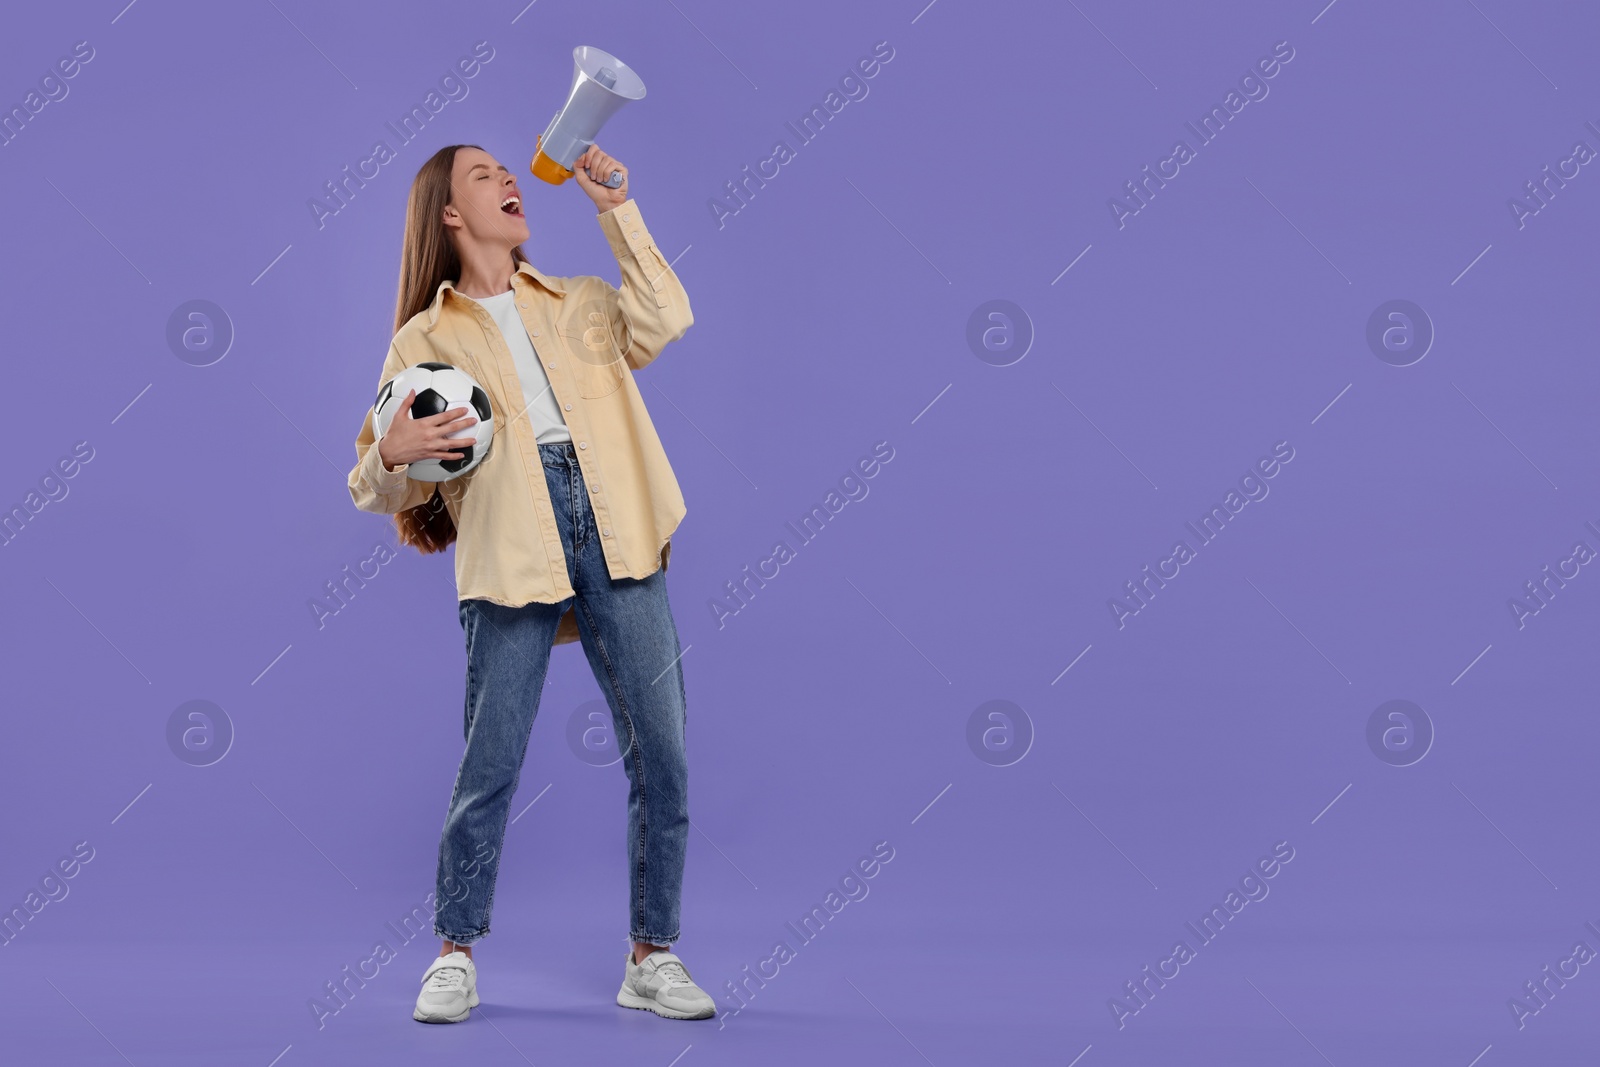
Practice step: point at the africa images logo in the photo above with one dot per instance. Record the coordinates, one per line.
(1252, 487)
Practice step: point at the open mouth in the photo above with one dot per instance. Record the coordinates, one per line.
(512, 205)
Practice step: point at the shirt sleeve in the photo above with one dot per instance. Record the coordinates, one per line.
(651, 301)
(373, 487)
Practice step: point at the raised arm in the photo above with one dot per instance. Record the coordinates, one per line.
(651, 300)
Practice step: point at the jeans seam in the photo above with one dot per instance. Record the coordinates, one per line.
(633, 752)
(466, 726)
(505, 821)
(580, 529)
(470, 625)
(472, 687)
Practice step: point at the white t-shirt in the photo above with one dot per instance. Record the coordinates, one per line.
(542, 411)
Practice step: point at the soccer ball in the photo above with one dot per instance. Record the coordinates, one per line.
(439, 387)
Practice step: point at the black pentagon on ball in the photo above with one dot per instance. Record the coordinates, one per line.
(383, 394)
(453, 465)
(433, 366)
(428, 402)
(480, 403)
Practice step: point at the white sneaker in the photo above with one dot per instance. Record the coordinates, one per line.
(662, 984)
(449, 990)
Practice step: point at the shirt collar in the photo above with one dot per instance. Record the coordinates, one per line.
(553, 284)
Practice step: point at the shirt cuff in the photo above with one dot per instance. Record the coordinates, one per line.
(624, 229)
(383, 482)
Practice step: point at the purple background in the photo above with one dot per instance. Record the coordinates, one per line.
(832, 712)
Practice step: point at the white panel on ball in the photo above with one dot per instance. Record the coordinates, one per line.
(440, 387)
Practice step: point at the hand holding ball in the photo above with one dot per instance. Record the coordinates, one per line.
(435, 418)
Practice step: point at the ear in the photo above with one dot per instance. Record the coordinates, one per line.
(450, 216)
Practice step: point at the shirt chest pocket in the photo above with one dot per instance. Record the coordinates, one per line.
(588, 337)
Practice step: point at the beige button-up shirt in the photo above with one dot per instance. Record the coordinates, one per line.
(591, 337)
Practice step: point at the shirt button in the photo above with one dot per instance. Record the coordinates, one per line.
(606, 531)
(524, 305)
(583, 444)
(569, 407)
(635, 235)
(624, 217)
(535, 332)
(552, 366)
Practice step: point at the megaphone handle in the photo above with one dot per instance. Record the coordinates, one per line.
(611, 183)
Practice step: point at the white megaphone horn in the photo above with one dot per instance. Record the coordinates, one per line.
(601, 84)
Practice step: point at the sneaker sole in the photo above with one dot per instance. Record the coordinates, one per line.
(472, 1002)
(626, 999)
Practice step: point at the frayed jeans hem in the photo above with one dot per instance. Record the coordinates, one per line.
(651, 940)
(463, 940)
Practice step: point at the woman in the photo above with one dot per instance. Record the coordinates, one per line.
(562, 533)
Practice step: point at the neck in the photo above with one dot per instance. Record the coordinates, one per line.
(485, 272)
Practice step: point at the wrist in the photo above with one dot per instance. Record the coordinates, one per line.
(385, 462)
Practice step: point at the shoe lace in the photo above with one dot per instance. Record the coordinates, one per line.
(674, 973)
(447, 979)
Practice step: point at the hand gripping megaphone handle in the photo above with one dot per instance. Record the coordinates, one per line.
(557, 172)
(610, 183)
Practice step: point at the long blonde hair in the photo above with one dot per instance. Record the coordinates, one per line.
(427, 257)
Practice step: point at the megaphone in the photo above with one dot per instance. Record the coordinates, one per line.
(601, 84)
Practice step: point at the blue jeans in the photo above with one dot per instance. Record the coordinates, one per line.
(628, 635)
